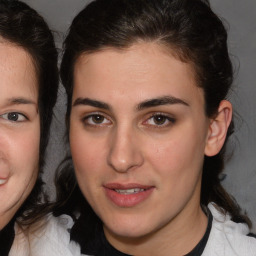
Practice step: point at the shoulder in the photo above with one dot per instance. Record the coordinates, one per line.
(227, 237)
(54, 238)
(51, 238)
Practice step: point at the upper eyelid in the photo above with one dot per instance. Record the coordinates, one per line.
(23, 107)
(89, 114)
(9, 112)
(159, 113)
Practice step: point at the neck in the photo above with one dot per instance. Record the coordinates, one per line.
(4, 220)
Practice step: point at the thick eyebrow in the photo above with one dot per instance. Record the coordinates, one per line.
(91, 102)
(165, 100)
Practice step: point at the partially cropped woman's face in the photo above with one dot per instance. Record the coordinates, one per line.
(138, 134)
(19, 129)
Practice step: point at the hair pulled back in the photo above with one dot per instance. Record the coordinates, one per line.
(22, 26)
(191, 30)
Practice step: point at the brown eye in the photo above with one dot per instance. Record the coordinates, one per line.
(159, 119)
(97, 119)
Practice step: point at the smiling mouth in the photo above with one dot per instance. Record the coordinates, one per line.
(127, 195)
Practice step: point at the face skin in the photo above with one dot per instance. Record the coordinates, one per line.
(138, 122)
(19, 129)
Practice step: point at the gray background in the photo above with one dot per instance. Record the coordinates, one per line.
(239, 17)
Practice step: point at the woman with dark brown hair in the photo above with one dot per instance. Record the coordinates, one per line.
(148, 118)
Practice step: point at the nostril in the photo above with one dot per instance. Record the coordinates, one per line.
(124, 164)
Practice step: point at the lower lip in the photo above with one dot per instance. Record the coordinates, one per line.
(130, 200)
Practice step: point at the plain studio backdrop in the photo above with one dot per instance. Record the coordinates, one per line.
(239, 18)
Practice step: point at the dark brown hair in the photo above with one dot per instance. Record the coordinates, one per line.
(24, 27)
(195, 33)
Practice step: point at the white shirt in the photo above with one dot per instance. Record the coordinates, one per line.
(52, 239)
(228, 238)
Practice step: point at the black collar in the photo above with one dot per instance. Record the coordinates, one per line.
(6, 238)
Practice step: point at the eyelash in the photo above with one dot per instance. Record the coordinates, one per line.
(167, 120)
(6, 116)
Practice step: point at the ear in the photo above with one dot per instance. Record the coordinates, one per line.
(218, 129)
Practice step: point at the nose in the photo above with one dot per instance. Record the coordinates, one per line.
(125, 152)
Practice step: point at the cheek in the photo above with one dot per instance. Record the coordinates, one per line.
(177, 167)
(24, 148)
(86, 154)
(180, 153)
(30, 166)
(21, 162)
(88, 159)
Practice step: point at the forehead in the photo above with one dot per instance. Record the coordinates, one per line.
(144, 70)
(17, 70)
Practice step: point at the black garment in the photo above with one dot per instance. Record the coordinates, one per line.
(104, 248)
(6, 238)
(252, 235)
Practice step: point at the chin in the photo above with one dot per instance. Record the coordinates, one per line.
(129, 228)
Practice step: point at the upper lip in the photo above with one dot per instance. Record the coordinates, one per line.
(126, 186)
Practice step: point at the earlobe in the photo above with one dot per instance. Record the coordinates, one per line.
(218, 129)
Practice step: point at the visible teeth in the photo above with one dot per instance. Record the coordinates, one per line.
(2, 181)
(129, 191)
